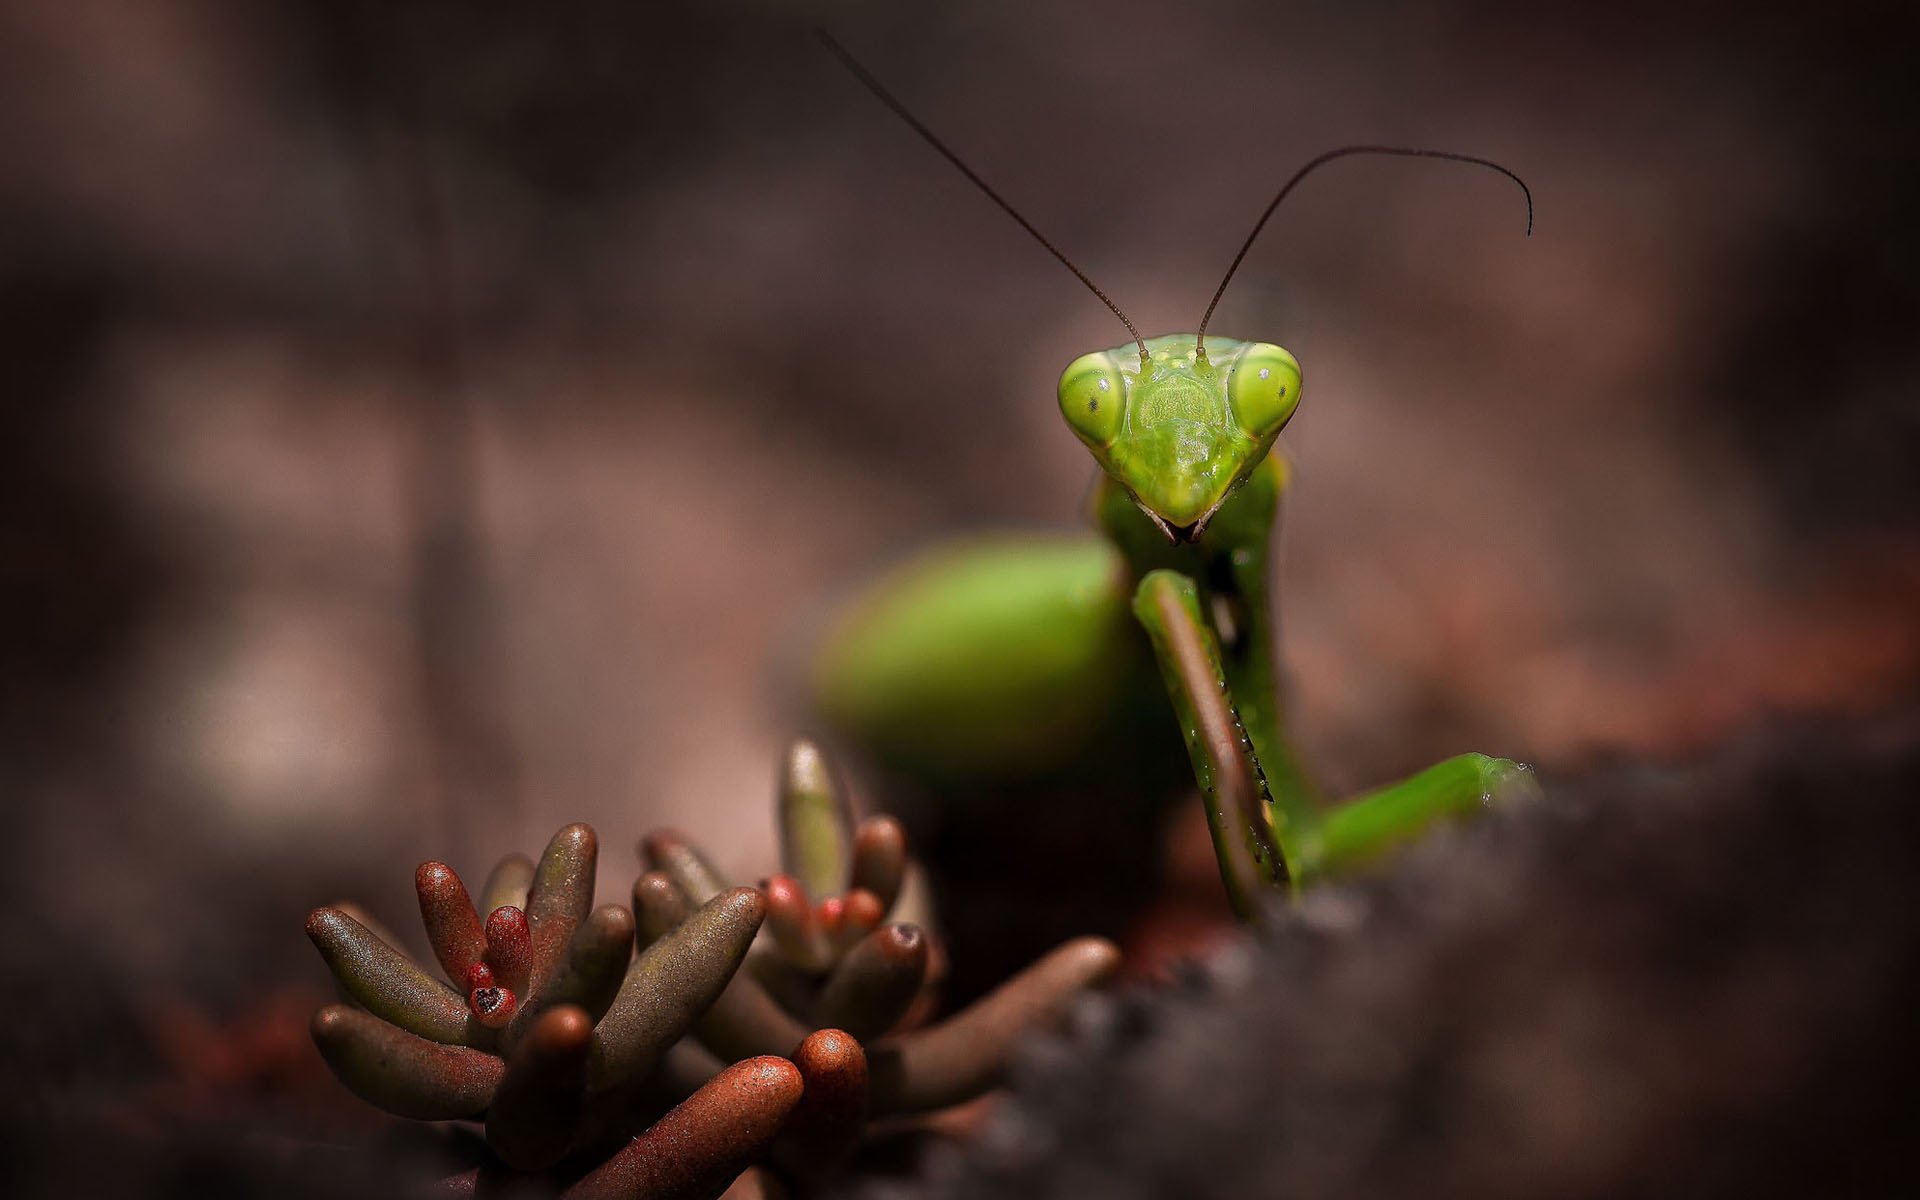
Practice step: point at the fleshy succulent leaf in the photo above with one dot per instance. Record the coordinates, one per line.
(591, 976)
(790, 922)
(745, 1021)
(508, 883)
(681, 861)
(453, 927)
(510, 947)
(561, 896)
(536, 1109)
(915, 906)
(824, 1131)
(968, 1053)
(372, 925)
(390, 985)
(667, 987)
(404, 1074)
(874, 985)
(696, 1150)
(880, 859)
(860, 913)
(815, 823)
(658, 906)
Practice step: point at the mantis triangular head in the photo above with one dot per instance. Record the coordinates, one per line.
(1177, 427)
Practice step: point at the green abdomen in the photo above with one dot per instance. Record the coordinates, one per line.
(1001, 654)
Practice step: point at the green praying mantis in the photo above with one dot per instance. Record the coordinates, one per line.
(1024, 654)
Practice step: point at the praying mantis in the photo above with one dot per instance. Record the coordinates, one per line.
(1025, 655)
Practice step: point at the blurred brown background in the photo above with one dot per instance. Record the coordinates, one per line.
(429, 423)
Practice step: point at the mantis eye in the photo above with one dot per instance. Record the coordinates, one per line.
(1264, 389)
(1093, 397)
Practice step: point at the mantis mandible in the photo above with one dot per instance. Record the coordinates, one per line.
(1017, 653)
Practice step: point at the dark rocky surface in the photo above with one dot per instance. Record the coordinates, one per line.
(1695, 980)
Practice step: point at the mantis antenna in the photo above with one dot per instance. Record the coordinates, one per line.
(900, 110)
(1200, 338)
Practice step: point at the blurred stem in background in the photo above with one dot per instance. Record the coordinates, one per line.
(474, 768)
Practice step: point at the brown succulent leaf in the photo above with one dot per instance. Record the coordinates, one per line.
(536, 1109)
(658, 906)
(675, 855)
(390, 985)
(510, 947)
(824, 1131)
(560, 898)
(880, 859)
(747, 1021)
(790, 921)
(591, 975)
(671, 984)
(968, 1053)
(453, 927)
(400, 1072)
(859, 913)
(508, 883)
(872, 987)
(696, 1151)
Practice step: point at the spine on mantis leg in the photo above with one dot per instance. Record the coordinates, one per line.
(1167, 604)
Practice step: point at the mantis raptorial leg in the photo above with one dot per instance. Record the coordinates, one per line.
(1002, 653)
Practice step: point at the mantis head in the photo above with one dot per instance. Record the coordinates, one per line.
(1177, 427)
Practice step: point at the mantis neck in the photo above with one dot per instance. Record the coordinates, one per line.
(1230, 563)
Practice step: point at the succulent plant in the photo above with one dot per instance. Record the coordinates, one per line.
(568, 1045)
(830, 958)
(556, 1034)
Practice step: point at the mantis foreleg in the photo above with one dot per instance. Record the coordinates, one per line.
(1231, 783)
(1206, 610)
